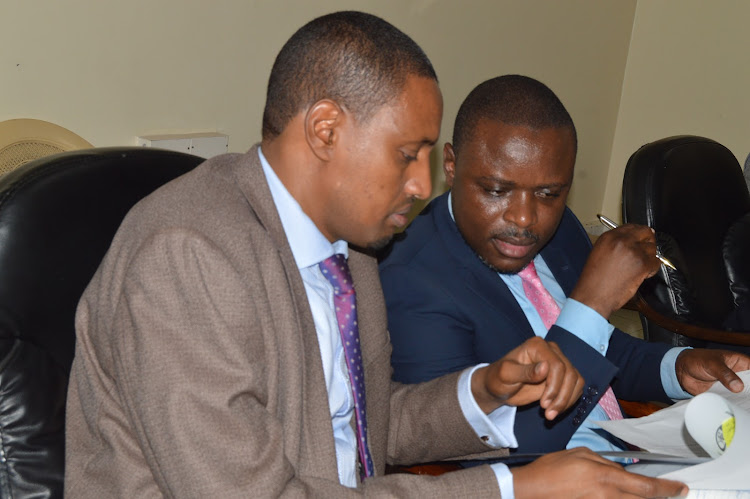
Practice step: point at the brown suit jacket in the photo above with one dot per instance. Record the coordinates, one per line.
(197, 369)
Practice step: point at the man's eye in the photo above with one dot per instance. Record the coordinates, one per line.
(548, 194)
(495, 192)
(407, 157)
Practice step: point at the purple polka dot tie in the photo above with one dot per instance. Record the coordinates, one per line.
(336, 271)
(548, 311)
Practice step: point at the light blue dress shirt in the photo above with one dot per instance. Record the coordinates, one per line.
(310, 247)
(596, 331)
(592, 328)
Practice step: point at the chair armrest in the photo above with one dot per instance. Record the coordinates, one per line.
(640, 409)
(690, 330)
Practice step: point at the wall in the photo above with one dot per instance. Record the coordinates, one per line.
(110, 71)
(688, 72)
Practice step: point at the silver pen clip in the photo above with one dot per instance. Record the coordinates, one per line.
(612, 225)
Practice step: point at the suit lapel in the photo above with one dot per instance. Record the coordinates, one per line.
(558, 261)
(560, 267)
(315, 411)
(481, 281)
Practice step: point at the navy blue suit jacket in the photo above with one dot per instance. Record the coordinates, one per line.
(448, 311)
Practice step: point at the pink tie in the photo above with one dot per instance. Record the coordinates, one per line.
(548, 311)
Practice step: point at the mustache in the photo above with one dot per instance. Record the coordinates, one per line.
(523, 236)
(408, 204)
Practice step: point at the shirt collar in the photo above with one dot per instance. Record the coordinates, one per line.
(309, 245)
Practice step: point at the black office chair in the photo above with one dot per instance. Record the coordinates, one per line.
(691, 191)
(58, 215)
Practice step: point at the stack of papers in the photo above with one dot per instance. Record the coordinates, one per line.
(711, 429)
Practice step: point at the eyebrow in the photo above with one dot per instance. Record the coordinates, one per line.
(423, 142)
(558, 185)
(510, 183)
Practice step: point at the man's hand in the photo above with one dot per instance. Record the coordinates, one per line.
(699, 368)
(581, 473)
(535, 370)
(619, 262)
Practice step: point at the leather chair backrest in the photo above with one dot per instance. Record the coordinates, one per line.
(58, 215)
(691, 190)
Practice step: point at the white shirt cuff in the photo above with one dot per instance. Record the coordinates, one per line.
(504, 480)
(587, 324)
(494, 429)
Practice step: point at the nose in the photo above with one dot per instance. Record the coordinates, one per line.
(419, 180)
(521, 209)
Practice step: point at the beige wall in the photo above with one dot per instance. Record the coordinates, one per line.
(688, 72)
(113, 70)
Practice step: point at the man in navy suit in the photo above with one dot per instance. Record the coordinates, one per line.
(452, 285)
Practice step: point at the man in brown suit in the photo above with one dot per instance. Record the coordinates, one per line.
(208, 361)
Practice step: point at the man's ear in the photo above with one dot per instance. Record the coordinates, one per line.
(449, 164)
(322, 124)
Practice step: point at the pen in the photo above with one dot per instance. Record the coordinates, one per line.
(609, 223)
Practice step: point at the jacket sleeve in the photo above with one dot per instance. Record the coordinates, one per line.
(187, 368)
(429, 334)
(638, 362)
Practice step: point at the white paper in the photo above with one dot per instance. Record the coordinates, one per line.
(718, 494)
(729, 471)
(665, 432)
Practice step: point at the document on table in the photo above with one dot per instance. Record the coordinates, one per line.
(727, 446)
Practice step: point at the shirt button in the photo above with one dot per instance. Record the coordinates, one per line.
(577, 420)
(601, 348)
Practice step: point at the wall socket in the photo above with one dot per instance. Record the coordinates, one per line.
(205, 145)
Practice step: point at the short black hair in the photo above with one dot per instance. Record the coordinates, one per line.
(514, 100)
(356, 59)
